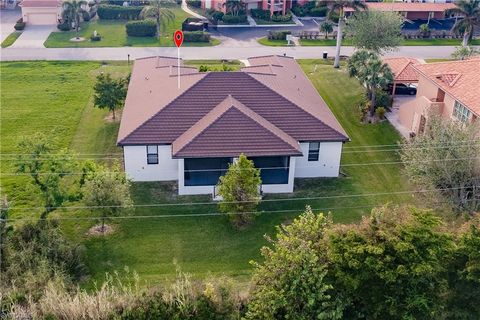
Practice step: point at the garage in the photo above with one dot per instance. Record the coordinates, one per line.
(41, 12)
(41, 18)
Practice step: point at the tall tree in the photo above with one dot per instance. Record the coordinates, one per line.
(110, 93)
(158, 10)
(50, 171)
(239, 189)
(234, 6)
(386, 26)
(73, 11)
(462, 53)
(469, 10)
(339, 7)
(371, 71)
(326, 27)
(107, 190)
(446, 157)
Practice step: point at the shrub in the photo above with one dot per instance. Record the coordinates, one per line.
(380, 113)
(229, 19)
(95, 37)
(194, 3)
(278, 35)
(196, 36)
(319, 12)
(217, 15)
(20, 25)
(64, 26)
(282, 18)
(384, 99)
(142, 28)
(260, 14)
(86, 16)
(304, 10)
(112, 12)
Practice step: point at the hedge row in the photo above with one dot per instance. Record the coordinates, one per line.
(113, 12)
(229, 19)
(141, 28)
(196, 36)
(282, 18)
(260, 14)
(278, 35)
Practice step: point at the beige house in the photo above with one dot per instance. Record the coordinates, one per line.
(41, 12)
(450, 90)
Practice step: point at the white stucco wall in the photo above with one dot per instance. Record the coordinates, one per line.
(137, 169)
(328, 164)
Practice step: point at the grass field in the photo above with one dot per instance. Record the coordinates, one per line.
(12, 37)
(56, 98)
(114, 35)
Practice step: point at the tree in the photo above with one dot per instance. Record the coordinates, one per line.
(73, 12)
(446, 157)
(327, 27)
(234, 6)
(157, 10)
(371, 71)
(386, 26)
(52, 173)
(290, 283)
(462, 53)
(470, 12)
(107, 190)
(339, 7)
(110, 93)
(239, 189)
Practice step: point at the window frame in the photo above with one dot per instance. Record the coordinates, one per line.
(313, 154)
(149, 155)
(461, 112)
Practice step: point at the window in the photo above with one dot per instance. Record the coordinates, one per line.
(460, 112)
(152, 154)
(313, 151)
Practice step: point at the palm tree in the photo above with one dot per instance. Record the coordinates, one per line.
(371, 71)
(234, 6)
(339, 7)
(73, 11)
(157, 11)
(470, 10)
(326, 27)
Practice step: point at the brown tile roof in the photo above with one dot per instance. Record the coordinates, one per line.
(157, 112)
(460, 79)
(217, 135)
(402, 68)
(40, 3)
(408, 6)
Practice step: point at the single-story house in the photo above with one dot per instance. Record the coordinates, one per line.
(268, 111)
(446, 89)
(41, 12)
(403, 70)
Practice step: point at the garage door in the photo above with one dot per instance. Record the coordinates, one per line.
(42, 18)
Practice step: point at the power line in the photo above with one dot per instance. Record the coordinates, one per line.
(153, 205)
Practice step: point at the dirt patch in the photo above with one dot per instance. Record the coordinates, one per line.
(97, 230)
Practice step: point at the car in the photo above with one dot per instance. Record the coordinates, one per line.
(402, 89)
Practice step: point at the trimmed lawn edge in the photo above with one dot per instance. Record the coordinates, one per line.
(12, 37)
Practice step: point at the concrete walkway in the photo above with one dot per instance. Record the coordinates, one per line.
(224, 52)
(33, 37)
(189, 11)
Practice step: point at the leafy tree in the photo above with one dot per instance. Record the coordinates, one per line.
(73, 12)
(386, 26)
(107, 190)
(446, 157)
(470, 11)
(370, 70)
(110, 93)
(234, 7)
(239, 191)
(290, 283)
(50, 172)
(157, 10)
(338, 7)
(326, 27)
(462, 53)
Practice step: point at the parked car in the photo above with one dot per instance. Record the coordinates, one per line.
(402, 89)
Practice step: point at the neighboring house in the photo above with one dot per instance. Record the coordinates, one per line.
(450, 90)
(41, 12)
(403, 70)
(269, 111)
(274, 6)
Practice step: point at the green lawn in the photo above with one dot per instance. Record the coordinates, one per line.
(272, 43)
(114, 35)
(12, 37)
(56, 98)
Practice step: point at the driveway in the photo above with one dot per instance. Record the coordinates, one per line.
(7, 21)
(392, 116)
(34, 36)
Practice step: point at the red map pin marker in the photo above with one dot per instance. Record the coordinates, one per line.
(178, 38)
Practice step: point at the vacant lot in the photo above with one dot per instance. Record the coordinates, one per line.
(56, 98)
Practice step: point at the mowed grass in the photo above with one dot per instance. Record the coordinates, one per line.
(12, 37)
(56, 98)
(114, 34)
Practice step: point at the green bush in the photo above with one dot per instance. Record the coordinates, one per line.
(384, 99)
(196, 36)
(282, 18)
(278, 35)
(217, 15)
(64, 26)
(86, 16)
(303, 10)
(113, 12)
(95, 37)
(142, 28)
(380, 113)
(20, 25)
(229, 19)
(260, 14)
(319, 12)
(194, 3)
